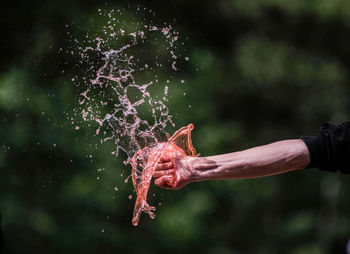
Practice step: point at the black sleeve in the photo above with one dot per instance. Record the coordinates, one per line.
(330, 148)
(0, 236)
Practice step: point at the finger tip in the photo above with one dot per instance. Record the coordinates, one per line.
(164, 159)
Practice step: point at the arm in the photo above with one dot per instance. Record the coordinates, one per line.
(272, 159)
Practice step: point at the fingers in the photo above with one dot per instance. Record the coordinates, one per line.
(164, 166)
(164, 159)
(161, 173)
(164, 182)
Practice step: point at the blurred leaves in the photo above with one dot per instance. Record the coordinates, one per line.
(267, 62)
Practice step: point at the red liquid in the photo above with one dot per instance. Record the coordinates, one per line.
(145, 161)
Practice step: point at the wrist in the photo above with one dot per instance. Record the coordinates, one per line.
(201, 168)
(193, 165)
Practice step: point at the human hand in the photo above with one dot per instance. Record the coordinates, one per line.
(174, 173)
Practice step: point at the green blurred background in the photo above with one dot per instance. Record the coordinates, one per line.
(259, 71)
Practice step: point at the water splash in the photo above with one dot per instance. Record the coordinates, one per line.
(121, 73)
(145, 161)
(117, 81)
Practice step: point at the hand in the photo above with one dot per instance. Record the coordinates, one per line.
(174, 173)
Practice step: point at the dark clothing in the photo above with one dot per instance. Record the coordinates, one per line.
(330, 148)
(0, 236)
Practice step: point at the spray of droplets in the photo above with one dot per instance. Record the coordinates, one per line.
(124, 72)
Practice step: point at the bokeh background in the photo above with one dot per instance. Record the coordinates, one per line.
(259, 71)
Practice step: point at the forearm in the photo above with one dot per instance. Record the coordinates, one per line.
(275, 158)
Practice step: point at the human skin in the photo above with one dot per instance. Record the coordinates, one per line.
(267, 160)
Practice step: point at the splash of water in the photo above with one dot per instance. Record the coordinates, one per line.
(145, 161)
(120, 68)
